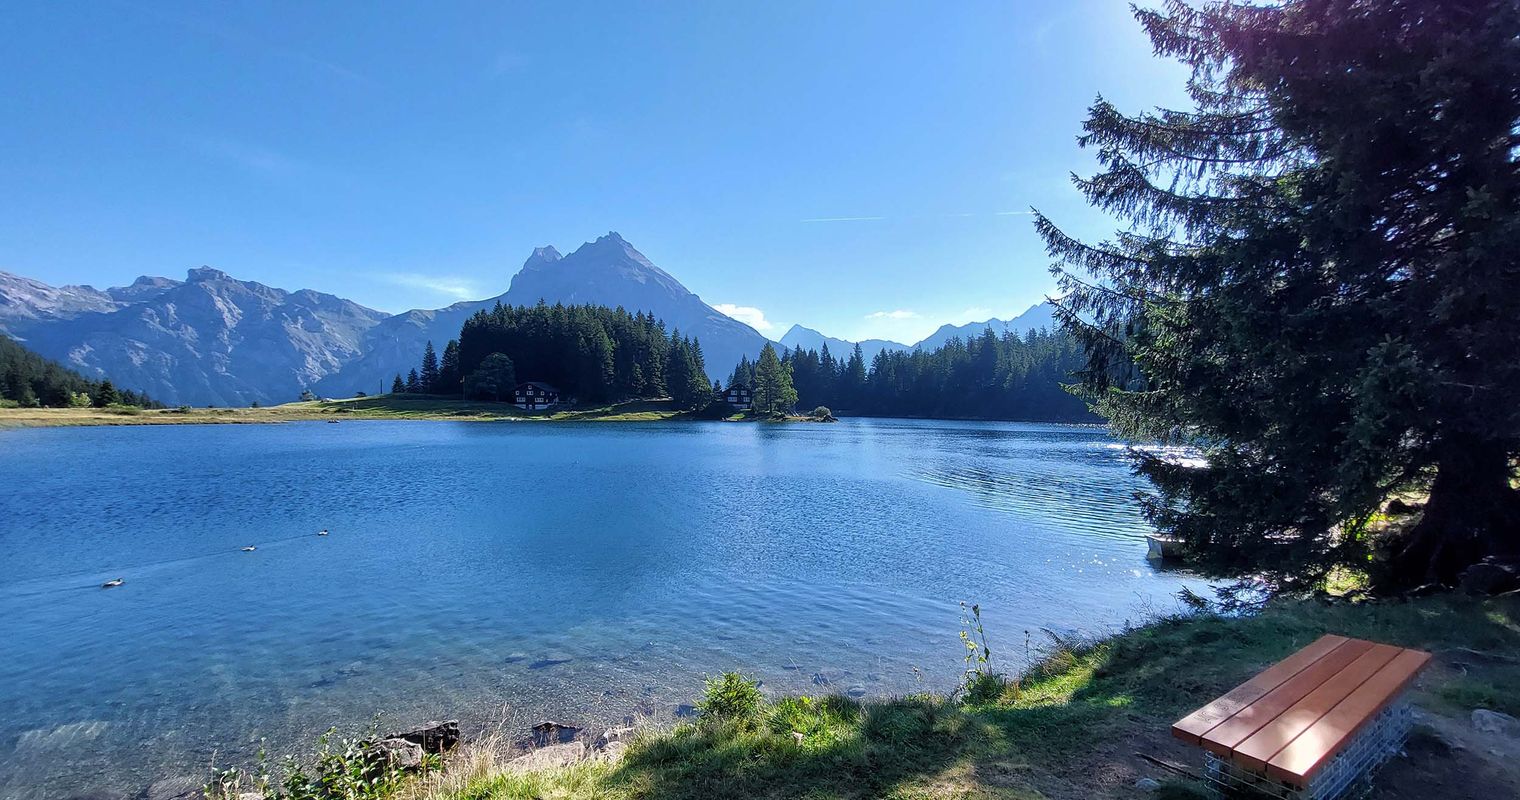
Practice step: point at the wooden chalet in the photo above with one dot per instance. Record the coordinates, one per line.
(533, 395)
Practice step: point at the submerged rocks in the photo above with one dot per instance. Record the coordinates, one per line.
(177, 788)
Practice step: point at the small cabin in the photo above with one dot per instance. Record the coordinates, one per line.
(532, 396)
(739, 397)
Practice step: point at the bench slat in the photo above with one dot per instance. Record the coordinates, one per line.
(1192, 727)
(1223, 739)
(1255, 752)
(1299, 760)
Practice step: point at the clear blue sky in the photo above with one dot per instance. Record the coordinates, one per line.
(412, 154)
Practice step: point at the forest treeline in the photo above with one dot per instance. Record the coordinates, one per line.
(596, 354)
(593, 354)
(29, 380)
(986, 377)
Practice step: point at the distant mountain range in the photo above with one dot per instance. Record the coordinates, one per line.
(1041, 315)
(213, 339)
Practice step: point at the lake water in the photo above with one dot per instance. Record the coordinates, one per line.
(506, 572)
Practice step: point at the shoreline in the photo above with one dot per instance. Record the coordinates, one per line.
(378, 407)
(1090, 719)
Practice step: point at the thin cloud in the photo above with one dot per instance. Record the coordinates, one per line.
(749, 315)
(1013, 214)
(449, 286)
(900, 313)
(843, 219)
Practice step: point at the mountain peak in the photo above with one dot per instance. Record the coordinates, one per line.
(202, 274)
(546, 253)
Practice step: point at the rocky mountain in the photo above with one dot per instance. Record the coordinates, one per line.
(211, 339)
(608, 271)
(1041, 315)
(809, 339)
(25, 302)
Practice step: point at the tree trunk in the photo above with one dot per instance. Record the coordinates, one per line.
(1472, 513)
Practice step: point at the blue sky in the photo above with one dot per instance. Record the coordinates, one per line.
(861, 168)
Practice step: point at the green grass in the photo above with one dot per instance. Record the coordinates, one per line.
(1054, 733)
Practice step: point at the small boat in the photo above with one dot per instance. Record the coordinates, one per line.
(112, 583)
(249, 549)
(1163, 548)
(322, 532)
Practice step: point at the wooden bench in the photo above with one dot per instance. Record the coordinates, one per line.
(1292, 720)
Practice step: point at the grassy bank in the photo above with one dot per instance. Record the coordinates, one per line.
(396, 406)
(1085, 723)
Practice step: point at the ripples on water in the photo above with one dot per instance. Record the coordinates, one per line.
(503, 572)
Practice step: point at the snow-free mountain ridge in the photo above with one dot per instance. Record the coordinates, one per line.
(212, 339)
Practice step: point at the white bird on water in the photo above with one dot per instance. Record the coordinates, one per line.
(249, 549)
(112, 583)
(322, 532)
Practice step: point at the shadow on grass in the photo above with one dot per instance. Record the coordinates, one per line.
(847, 750)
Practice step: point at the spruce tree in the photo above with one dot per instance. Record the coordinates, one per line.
(428, 380)
(448, 370)
(1317, 284)
(413, 383)
(773, 383)
(397, 387)
(105, 394)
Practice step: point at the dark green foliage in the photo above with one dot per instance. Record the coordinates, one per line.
(732, 698)
(1318, 283)
(349, 769)
(685, 374)
(428, 378)
(397, 387)
(494, 379)
(774, 393)
(27, 379)
(989, 377)
(413, 382)
(105, 394)
(743, 375)
(450, 379)
(593, 353)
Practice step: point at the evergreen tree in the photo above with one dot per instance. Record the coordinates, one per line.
(685, 374)
(105, 394)
(413, 382)
(494, 379)
(773, 383)
(397, 387)
(449, 379)
(1317, 285)
(428, 379)
(854, 379)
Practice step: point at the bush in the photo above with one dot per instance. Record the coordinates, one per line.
(346, 769)
(4, 403)
(123, 411)
(731, 698)
(821, 412)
